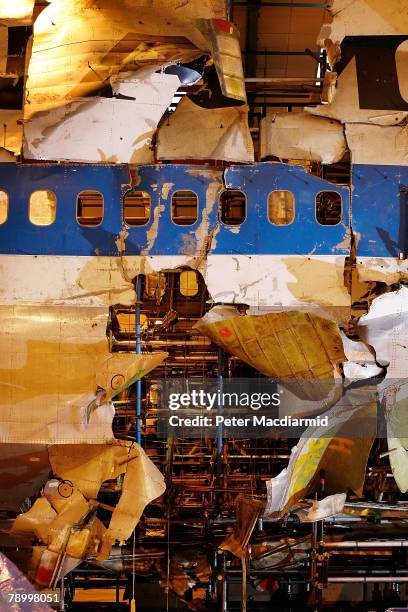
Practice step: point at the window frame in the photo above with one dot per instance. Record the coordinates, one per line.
(171, 208)
(294, 208)
(341, 208)
(103, 208)
(123, 208)
(29, 208)
(8, 205)
(220, 208)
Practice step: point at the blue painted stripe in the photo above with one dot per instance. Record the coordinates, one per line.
(256, 235)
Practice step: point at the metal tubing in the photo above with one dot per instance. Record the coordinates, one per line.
(320, 5)
(131, 345)
(220, 407)
(367, 544)
(341, 579)
(138, 352)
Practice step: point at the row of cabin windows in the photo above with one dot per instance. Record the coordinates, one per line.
(184, 207)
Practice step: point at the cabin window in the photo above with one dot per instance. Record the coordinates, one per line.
(42, 207)
(232, 207)
(89, 208)
(281, 207)
(184, 207)
(136, 208)
(188, 283)
(4, 203)
(328, 208)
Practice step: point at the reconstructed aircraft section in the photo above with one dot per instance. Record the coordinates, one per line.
(203, 305)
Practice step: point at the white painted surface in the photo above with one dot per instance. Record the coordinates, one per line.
(302, 136)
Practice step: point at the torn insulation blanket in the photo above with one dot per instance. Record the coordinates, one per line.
(335, 450)
(119, 129)
(319, 510)
(302, 136)
(106, 38)
(224, 134)
(299, 349)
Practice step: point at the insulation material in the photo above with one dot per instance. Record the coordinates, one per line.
(224, 134)
(119, 129)
(16, 12)
(334, 449)
(12, 581)
(301, 136)
(361, 360)
(105, 38)
(319, 510)
(373, 144)
(300, 349)
(368, 17)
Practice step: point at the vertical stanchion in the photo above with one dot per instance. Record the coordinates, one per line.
(220, 406)
(138, 352)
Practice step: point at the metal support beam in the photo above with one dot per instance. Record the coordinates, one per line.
(255, 52)
(271, 3)
(138, 352)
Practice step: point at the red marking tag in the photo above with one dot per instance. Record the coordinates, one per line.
(225, 332)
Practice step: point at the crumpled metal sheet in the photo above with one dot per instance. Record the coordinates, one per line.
(119, 129)
(12, 581)
(302, 136)
(345, 106)
(53, 359)
(376, 144)
(248, 511)
(368, 17)
(37, 520)
(224, 134)
(142, 484)
(300, 349)
(384, 327)
(105, 38)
